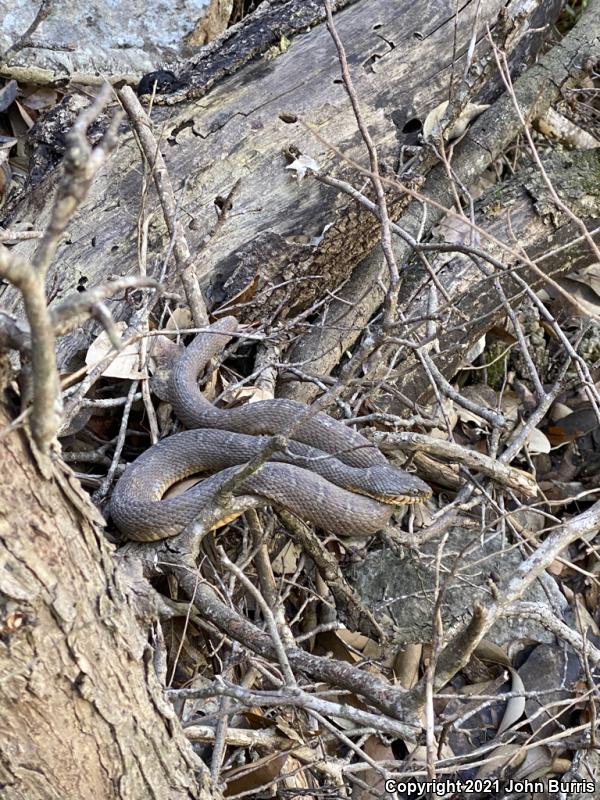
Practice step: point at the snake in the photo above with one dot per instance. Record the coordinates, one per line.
(329, 474)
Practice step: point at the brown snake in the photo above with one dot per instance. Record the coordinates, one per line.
(329, 475)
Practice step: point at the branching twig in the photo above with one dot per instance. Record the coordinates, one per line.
(81, 164)
(458, 652)
(514, 478)
(386, 238)
(150, 149)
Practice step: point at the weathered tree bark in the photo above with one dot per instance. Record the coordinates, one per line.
(81, 709)
(320, 350)
(401, 60)
(515, 213)
(519, 213)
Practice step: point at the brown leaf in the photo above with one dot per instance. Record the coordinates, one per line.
(251, 777)
(41, 99)
(500, 758)
(489, 651)
(374, 780)
(515, 706)
(406, 665)
(572, 426)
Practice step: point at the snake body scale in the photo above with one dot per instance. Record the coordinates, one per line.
(329, 475)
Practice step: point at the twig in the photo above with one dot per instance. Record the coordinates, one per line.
(459, 650)
(505, 73)
(391, 299)
(295, 697)
(351, 610)
(44, 11)
(514, 478)
(541, 613)
(150, 149)
(47, 406)
(282, 658)
(81, 164)
(102, 491)
(68, 313)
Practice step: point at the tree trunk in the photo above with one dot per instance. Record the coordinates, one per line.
(81, 708)
(401, 58)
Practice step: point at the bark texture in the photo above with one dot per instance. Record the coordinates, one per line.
(401, 61)
(485, 140)
(81, 708)
(519, 214)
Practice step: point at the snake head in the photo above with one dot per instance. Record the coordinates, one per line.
(392, 485)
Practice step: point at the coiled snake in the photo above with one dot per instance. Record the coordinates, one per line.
(329, 475)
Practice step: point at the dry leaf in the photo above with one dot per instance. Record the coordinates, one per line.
(333, 642)
(250, 394)
(290, 732)
(556, 568)
(295, 778)
(243, 296)
(42, 98)
(458, 230)
(481, 394)
(559, 411)
(500, 757)
(440, 415)
(474, 352)
(182, 486)
(125, 365)
(538, 442)
(8, 94)
(561, 765)
(482, 687)
(538, 762)
(489, 651)
(25, 116)
(372, 780)
(406, 665)
(419, 754)
(572, 426)
(286, 561)
(357, 641)
(302, 164)
(510, 405)
(465, 415)
(585, 621)
(582, 299)
(515, 706)
(251, 777)
(590, 276)
(180, 318)
(529, 521)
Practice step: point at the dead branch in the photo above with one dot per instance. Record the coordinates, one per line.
(149, 146)
(485, 141)
(511, 477)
